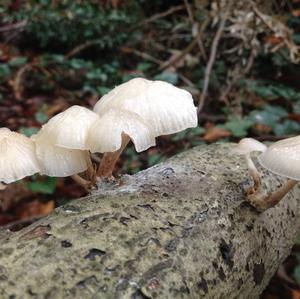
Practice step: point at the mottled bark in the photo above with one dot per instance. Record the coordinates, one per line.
(180, 229)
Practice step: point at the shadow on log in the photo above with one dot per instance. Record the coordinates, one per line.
(180, 229)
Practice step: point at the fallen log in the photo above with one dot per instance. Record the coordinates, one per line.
(180, 229)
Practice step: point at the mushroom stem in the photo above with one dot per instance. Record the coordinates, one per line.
(82, 182)
(109, 160)
(91, 173)
(253, 172)
(263, 202)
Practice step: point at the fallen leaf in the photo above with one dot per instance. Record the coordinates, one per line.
(215, 133)
(296, 12)
(13, 194)
(273, 40)
(295, 294)
(34, 208)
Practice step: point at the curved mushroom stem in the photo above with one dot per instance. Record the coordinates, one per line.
(262, 201)
(109, 160)
(91, 173)
(253, 172)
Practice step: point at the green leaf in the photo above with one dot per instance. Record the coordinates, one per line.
(144, 66)
(178, 136)
(296, 107)
(297, 274)
(238, 127)
(41, 117)
(154, 159)
(46, 186)
(28, 131)
(103, 90)
(288, 127)
(270, 116)
(5, 70)
(18, 61)
(168, 77)
(96, 74)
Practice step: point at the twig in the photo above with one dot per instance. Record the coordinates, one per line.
(198, 36)
(177, 58)
(141, 54)
(159, 15)
(17, 82)
(186, 50)
(212, 56)
(241, 74)
(81, 47)
(160, 62)
(18, 25)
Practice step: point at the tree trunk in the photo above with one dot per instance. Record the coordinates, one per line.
(180, 229)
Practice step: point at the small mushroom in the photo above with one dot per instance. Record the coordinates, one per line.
(58, 161)
(245, 147)
(281, 158)
(159, 108)
(61, 145)
(111, 133)
(69, 129)
(17, 156)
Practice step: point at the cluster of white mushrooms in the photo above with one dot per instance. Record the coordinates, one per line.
(281, 158)
(139, 110)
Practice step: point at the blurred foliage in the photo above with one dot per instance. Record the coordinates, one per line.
(54, 54)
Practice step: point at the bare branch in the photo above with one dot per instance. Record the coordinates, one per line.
(213, 53)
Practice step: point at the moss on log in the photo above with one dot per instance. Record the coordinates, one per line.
(180, 229)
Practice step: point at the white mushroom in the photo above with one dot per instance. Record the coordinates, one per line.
(245, 147)
(69, 128)
(281, 158)
(105, 135)
(17, 156)
(159, 108)
(58, 161)
(167, 108)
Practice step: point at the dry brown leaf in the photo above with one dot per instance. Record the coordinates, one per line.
(295, 294)
(273, 40)
(296, 12)
(34, 208)
(12, 194)
(215, 133)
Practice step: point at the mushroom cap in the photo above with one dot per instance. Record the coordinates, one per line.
(17, 156)
(283, 158)
(69, 128)
(105, 134)
(248, 145)
(58, 161)
(167, 108)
